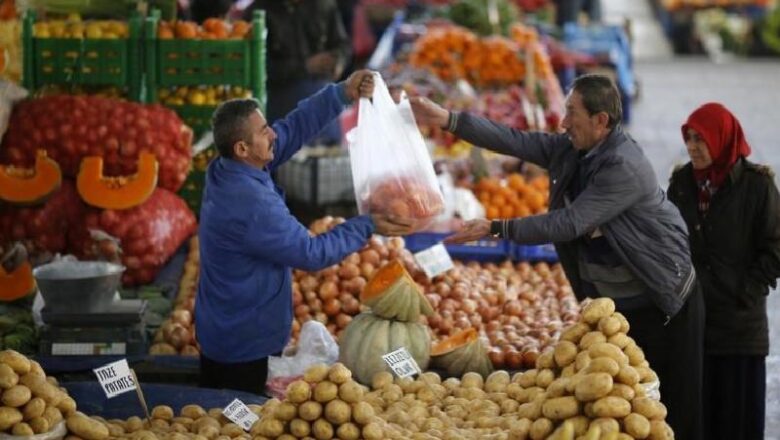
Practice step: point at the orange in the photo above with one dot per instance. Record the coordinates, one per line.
(164, 33)
(535, 200)
(492, 212)
(498, 200)
(185, 29)
(507, 211)
(521, 210)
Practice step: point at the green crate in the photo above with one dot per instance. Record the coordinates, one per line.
(72, 61)
(197, 117)
(179, 62)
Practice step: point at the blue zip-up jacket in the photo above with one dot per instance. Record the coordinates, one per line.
(249, 241)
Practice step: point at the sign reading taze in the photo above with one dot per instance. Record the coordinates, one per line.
(115, 378)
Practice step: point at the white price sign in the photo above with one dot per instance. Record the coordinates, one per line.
(240, 414)
(115, 378)
(402, 363)
(434, 261)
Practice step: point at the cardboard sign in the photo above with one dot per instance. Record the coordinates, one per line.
(402, 363)
(240, 414)
(115, 378)
(435, 260)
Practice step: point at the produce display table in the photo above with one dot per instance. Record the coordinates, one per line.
(93, 401)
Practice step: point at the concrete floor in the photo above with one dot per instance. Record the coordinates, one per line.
(672, 87)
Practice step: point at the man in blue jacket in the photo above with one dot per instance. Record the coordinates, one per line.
(249, 240)
(616, 232)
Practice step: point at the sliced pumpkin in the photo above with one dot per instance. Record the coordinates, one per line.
(16, 284)
(393, 294)
(460, 353)
(30, 186)
(122, 192)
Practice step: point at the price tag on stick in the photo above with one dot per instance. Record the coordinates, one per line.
(115, 378)
(240, 414)
(402, 363)
(434, 261)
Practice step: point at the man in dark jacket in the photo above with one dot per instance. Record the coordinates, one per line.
(307, 48)
(616, 233)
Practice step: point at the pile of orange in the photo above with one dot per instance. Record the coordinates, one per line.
(513, 197)
(212, 29)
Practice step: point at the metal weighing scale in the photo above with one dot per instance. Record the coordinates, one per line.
(84, 316)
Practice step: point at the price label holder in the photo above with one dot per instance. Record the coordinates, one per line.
(240, 414)
(402, 363)
(435, 260)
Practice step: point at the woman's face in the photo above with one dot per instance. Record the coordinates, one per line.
(697, 150)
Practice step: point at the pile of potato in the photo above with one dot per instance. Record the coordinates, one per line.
(325, 404)
(32, 403)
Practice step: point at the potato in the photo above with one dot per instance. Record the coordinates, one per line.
(646, 374)
(339, 374)
(39, 425)
(162, 412)
(348, 431)
(325, 391)
(660, 430)
(285, 411)
(622, 390)
(322, 430)
(231, 430)
(612, 406)
(557, 388)
(564, 353)
(381, 380)
(270, 427)
(86, 428)
(17, 361)
(560, 408)
(637, 425)
(310, 411)
(580, 424)
(373, 431)
(430, 378)
(216, 414)
(530, 410)
(67, 405)
(177, 427)
(568, 371)
(16, 396)
(338, 412)
(620, 339)
(593, 433)
(651, 409)
(528, 378)
(72, 437)
(193, 412)
(472, 380)
(540, 429)
(591, 338)
(582, 360)
(534, 392)
(603, 364)
(575, 332)
(606, 425)
(635, 354)
(298, 391)
(8, 376)
(600, 349)
(22, 429)
(51, 394)
(206, 421)
(545, 378)
(300, 428)
(624, 325)
(546, 359)
(597, 309)
(497, 381)
(520, 429)
(627, 375)
(134, 424)
(209, 431)
(593, 386)
(609, 325)
(362, 412)
(160, 425)
(9, 417)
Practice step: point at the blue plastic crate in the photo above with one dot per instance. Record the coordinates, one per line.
(544, 252)
(482, 250)
(600, 40)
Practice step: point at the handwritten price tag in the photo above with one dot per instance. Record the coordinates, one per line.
(240, 414)
(115, 378)
(435, 260)
(402, 363)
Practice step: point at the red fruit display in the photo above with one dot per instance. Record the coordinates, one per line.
(70, 128)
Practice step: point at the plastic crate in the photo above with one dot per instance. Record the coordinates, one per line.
(183, 62)
(317, 180)
(481, 250)
(197, 117)
(83, 61)
(544, 252)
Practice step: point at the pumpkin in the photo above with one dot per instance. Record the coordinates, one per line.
(393, 294)
(30, 186)
(117, 192)
(16, 284)
(369, 336)
(461, 353)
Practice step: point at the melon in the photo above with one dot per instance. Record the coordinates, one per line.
(461, 353)
(393, 294)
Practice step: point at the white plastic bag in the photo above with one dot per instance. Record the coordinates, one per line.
(391, 167)
(315, 346)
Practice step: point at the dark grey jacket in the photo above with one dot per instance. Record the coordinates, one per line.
(621, 198)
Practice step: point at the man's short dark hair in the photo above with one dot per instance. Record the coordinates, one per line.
(229, 124)
(599, 94)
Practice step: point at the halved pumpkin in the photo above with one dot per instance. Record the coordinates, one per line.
(461, 353)
(393, 294)
(16, 284)
(122, 192)
(30, 186)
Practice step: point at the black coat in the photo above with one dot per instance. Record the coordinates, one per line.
(736, 252)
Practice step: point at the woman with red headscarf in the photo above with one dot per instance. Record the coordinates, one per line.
(731, 207)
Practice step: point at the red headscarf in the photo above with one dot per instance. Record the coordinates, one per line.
(723, 135)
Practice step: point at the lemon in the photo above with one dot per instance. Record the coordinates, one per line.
(197, 98)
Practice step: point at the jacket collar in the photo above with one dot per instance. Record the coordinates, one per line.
(238, 167)
(612, 139)
(734, 175)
